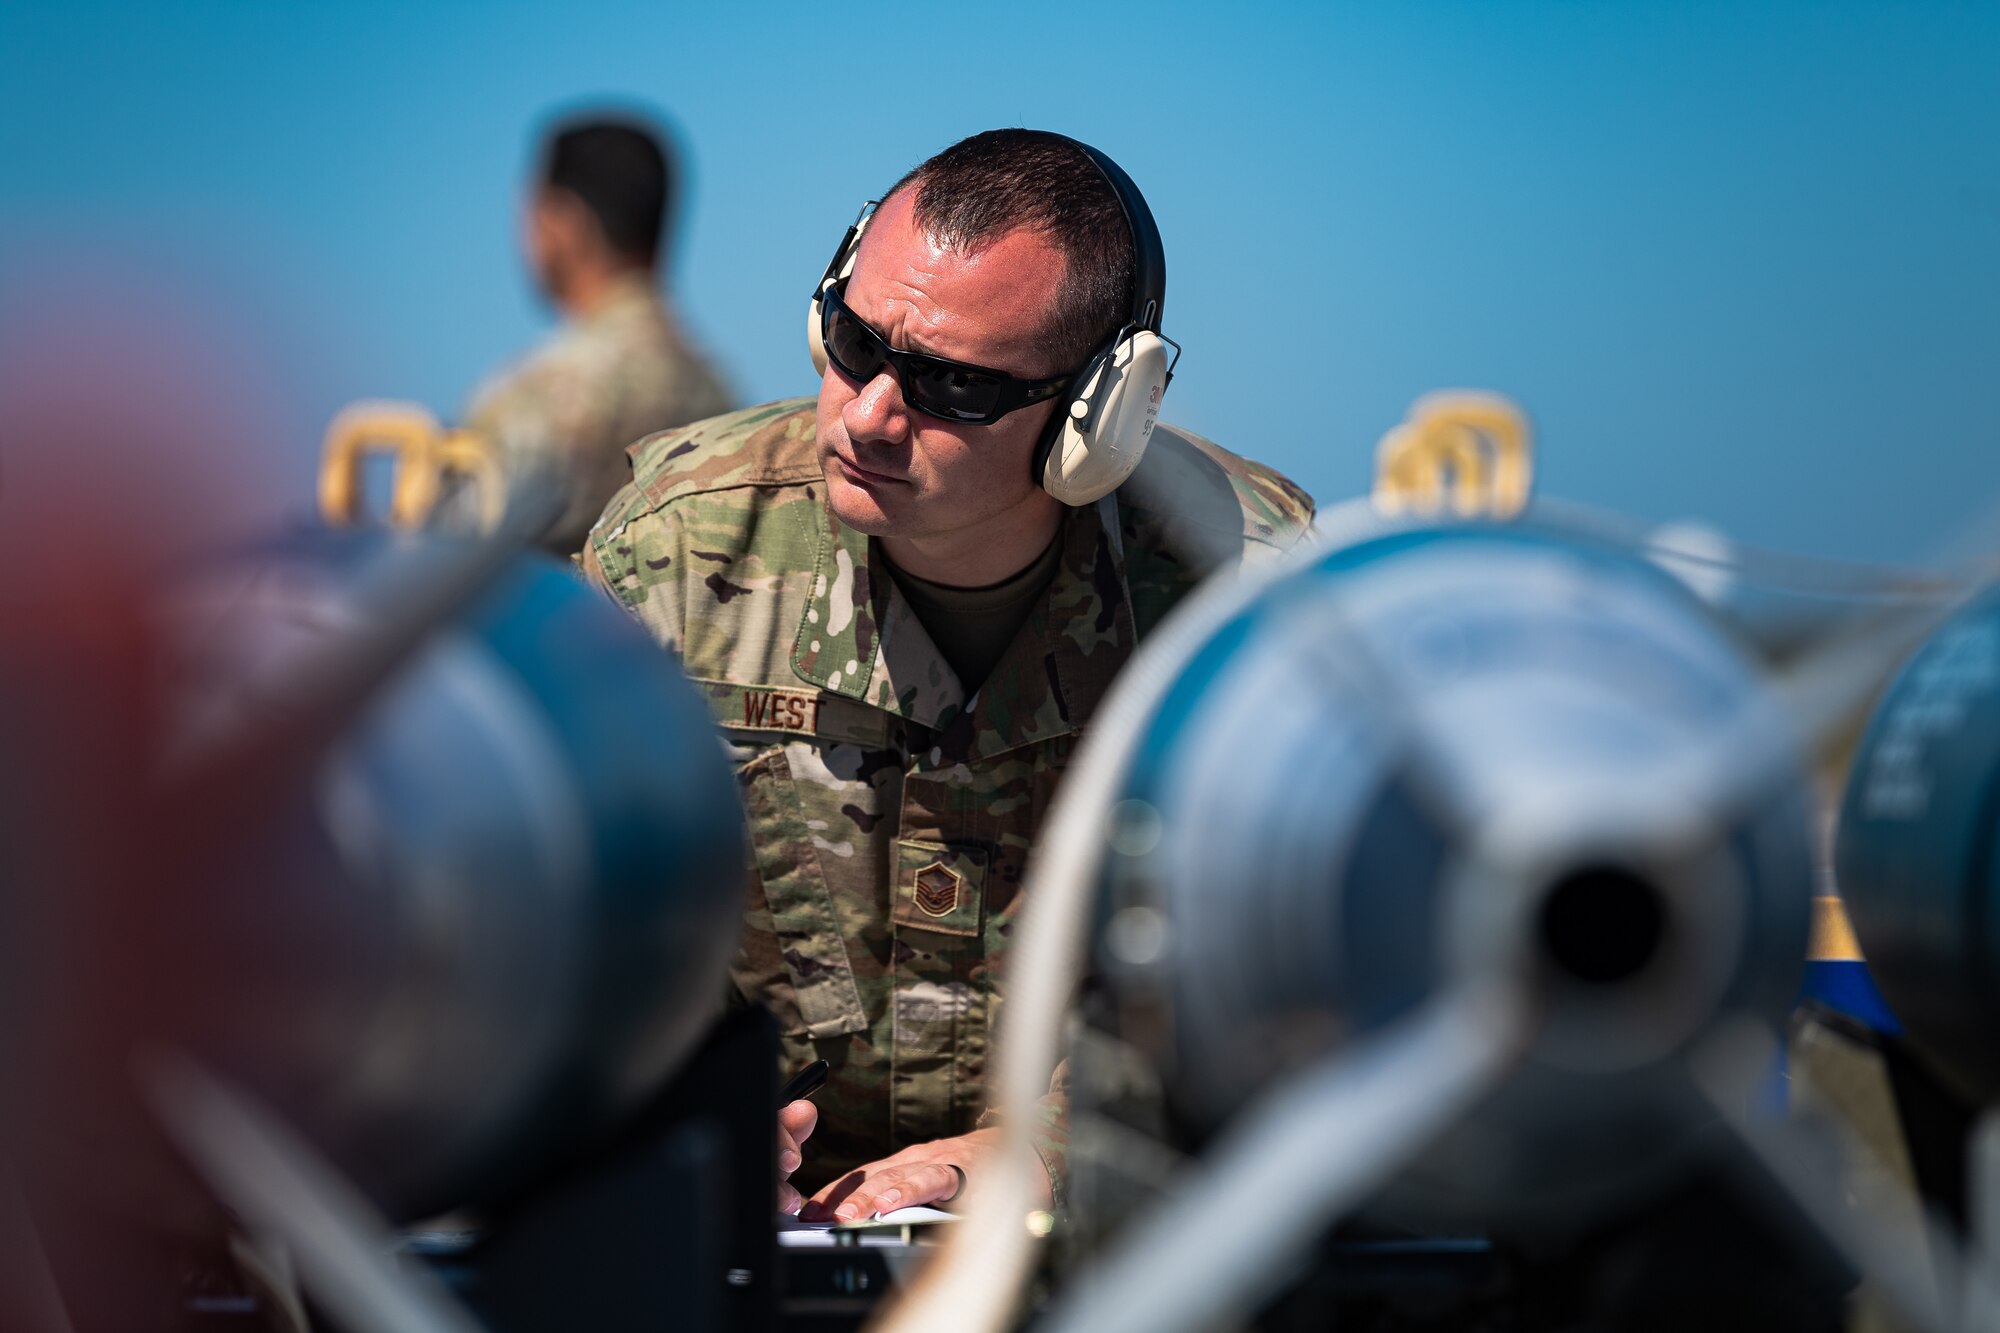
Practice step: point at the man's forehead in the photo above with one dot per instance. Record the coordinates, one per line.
(999, 293)
(895, 228)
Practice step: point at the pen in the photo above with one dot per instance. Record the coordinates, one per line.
(804, 1083)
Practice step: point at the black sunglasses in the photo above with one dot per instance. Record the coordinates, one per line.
(948, 390)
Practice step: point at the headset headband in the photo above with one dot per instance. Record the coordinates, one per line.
(1149, 256)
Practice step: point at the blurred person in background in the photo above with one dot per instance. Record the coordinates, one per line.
(620, 367)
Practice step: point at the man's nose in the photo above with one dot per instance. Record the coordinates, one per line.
(878, 412)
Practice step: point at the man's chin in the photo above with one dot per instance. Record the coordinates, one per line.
(858, 507)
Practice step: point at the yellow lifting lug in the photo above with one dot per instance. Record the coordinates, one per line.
(1471, 448)
(425, 455)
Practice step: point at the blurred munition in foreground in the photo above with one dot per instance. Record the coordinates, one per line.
(1459, 922)
(430, 863)
(495, 914)
(1918, 855)
(1497, 770)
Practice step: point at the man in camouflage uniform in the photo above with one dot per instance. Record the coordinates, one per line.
(825, 571)
(620, 367)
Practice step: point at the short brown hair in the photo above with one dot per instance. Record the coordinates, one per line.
(623, 172)
(980, 188)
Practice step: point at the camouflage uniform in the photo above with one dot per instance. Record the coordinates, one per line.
(891, 816)
(620, 372)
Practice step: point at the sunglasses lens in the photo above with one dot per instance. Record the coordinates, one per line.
(952, 392)
(849, 343)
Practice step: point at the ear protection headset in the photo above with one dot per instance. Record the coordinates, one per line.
(1101, 426)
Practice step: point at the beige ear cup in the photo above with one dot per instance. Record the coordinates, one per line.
(1111, 418)
(814, 343)
(841, 267)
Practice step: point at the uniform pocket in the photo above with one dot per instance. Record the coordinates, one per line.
(802, 928)
(940, 887)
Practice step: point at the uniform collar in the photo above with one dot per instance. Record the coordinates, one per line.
(859, 637)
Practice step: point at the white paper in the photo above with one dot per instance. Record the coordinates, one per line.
(900, 1217)
(889, 1229)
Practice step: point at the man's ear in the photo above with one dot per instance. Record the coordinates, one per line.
(563, 222)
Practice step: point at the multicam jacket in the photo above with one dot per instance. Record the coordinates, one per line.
(892, 816)
(602, 381)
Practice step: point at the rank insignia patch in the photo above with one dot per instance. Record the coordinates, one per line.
(937, 889)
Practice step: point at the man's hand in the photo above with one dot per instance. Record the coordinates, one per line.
(795, 1126)
(921, 1173)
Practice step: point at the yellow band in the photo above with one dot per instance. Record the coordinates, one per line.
(1832, 934)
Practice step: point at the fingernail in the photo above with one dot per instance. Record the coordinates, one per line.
(887, 1199)
(847, 1212)
(788, 1161)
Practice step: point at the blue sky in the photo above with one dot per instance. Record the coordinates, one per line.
(1738, 261)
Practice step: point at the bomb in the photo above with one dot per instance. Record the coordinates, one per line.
(1915, 851)
(461, 928)
(1439, 759)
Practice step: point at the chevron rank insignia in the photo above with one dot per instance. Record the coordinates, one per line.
(937, 889)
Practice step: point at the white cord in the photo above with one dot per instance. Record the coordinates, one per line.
(976, 1281)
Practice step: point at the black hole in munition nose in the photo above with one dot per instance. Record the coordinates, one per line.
(1603, 924)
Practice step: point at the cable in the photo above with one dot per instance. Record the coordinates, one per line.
(975, 1283)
